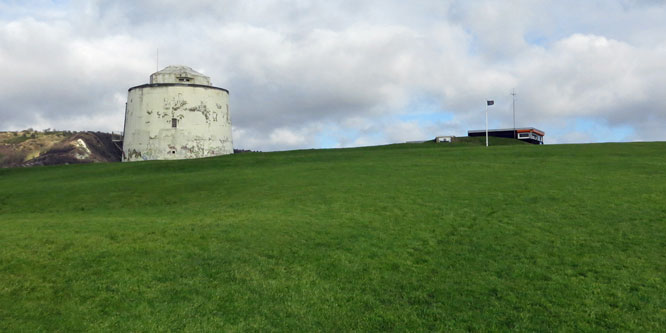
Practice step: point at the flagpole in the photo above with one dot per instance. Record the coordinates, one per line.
(513, 93)
(486, 124)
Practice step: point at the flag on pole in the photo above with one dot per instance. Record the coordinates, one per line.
(490, 102)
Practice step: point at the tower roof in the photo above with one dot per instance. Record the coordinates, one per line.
(179, 74)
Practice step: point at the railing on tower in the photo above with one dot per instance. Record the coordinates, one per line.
(117, 139)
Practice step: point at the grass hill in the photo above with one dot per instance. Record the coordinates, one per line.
(421, 237)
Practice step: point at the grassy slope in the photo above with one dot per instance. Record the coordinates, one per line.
(404, 237)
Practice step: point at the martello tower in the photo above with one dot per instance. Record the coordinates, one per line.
(178, 115)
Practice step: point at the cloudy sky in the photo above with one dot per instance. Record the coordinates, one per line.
(310, 74)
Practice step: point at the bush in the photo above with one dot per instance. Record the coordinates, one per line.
(14, 158)
(17, 139)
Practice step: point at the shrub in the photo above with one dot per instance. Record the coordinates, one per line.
(14, 158)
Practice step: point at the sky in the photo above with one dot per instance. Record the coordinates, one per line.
(328, 74)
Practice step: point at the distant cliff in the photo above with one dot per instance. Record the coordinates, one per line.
(33, 148)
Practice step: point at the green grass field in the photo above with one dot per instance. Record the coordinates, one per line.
(419, 237)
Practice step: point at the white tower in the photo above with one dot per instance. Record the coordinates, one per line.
(178, 115)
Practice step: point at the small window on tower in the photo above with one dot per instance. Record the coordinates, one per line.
(184, 79)
(174, 122)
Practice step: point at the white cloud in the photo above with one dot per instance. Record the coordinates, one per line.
(52, 77)
(593, 76)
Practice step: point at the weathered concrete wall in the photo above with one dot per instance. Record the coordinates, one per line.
(200, 114)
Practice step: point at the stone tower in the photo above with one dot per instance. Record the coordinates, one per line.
(178, 115)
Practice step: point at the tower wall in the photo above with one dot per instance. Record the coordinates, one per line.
(169, 121)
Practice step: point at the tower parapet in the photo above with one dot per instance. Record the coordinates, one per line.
(179, 74)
